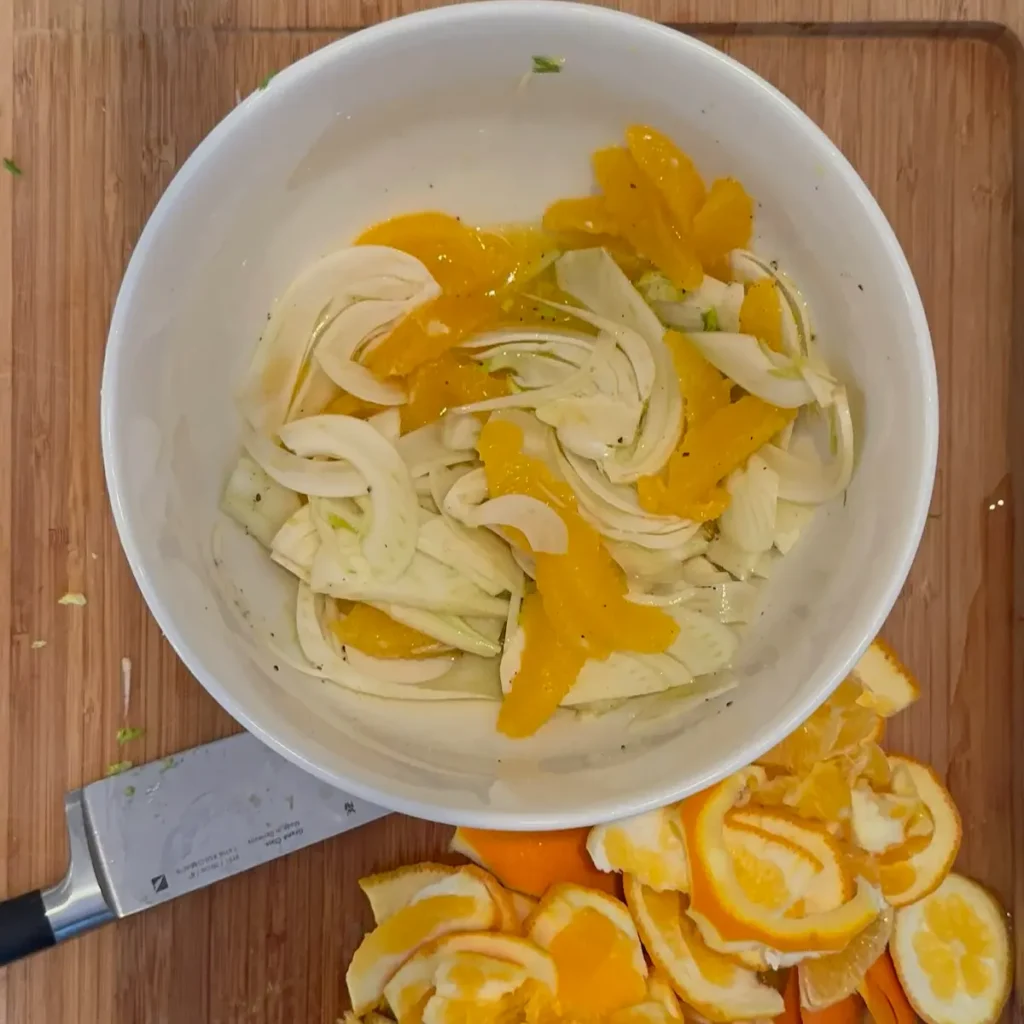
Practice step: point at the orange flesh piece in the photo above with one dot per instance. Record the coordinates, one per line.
(474, 269)
(711, 450)
(703, 388)
(583, 591)
(531, 862)
(589, 214)
(761, 313)
(430, 331)
(371, 631)
(349, 405)
(410, 927)
(596, 974)
(723, 223)
(643, 219)
(546, 673)
(449, 381)
(670, 170)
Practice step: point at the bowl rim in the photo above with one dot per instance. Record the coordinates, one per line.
(660, 791)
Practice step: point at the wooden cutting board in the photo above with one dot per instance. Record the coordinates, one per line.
(100, 102)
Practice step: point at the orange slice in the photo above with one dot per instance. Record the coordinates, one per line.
(708, 981)
(761, 313)
(531, 862)
(718, 897)
(647, 846)
(889, 686)
(909, 879)
(596, 948)
(460, 902)
(408, 992)
(952, 954)
(588, 214)
(827, 980)
(389, 891)
(832, 886)
(671, 171)
(725, 222)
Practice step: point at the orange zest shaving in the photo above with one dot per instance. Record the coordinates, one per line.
(531, 862)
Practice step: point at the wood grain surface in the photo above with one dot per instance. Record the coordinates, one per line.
(100, 102)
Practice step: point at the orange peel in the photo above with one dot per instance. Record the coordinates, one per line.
(717, 897)
(907, 880)
(530, 862)
(647, 846)
(594, 943)
(952, 954)
(889, 686)
(460, 902)
(415, 981)
(389, 891)
(708, 981)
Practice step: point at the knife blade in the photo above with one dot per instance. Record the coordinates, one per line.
(166, 828)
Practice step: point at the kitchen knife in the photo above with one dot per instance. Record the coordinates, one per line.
(155, 832)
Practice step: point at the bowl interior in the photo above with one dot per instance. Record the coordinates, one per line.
(437, 111)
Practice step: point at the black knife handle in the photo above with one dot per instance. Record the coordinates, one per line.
(24, 927)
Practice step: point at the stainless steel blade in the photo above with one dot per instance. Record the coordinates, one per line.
(167, 828)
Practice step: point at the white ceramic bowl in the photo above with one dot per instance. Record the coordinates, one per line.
(432, 111)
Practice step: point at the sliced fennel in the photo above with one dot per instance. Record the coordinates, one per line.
(390, 540)
(749, 521)
(320, 293)
(257, 502)
(807, 480)
(689, 312)
(621, 676)
(704, 645)
(448, 629)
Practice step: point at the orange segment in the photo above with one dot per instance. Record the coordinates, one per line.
(349, 405)
(761, 313)
(583, 611)
(671, 171)
(531, 862)
(431, 330)
(446, 383)
(588, 214)
(952, 954)
(725, 222)
(547, 670)
(457, 256)
(380, 636)
(642, 217)
(596, 949)
(703, 388)
(709, 451)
